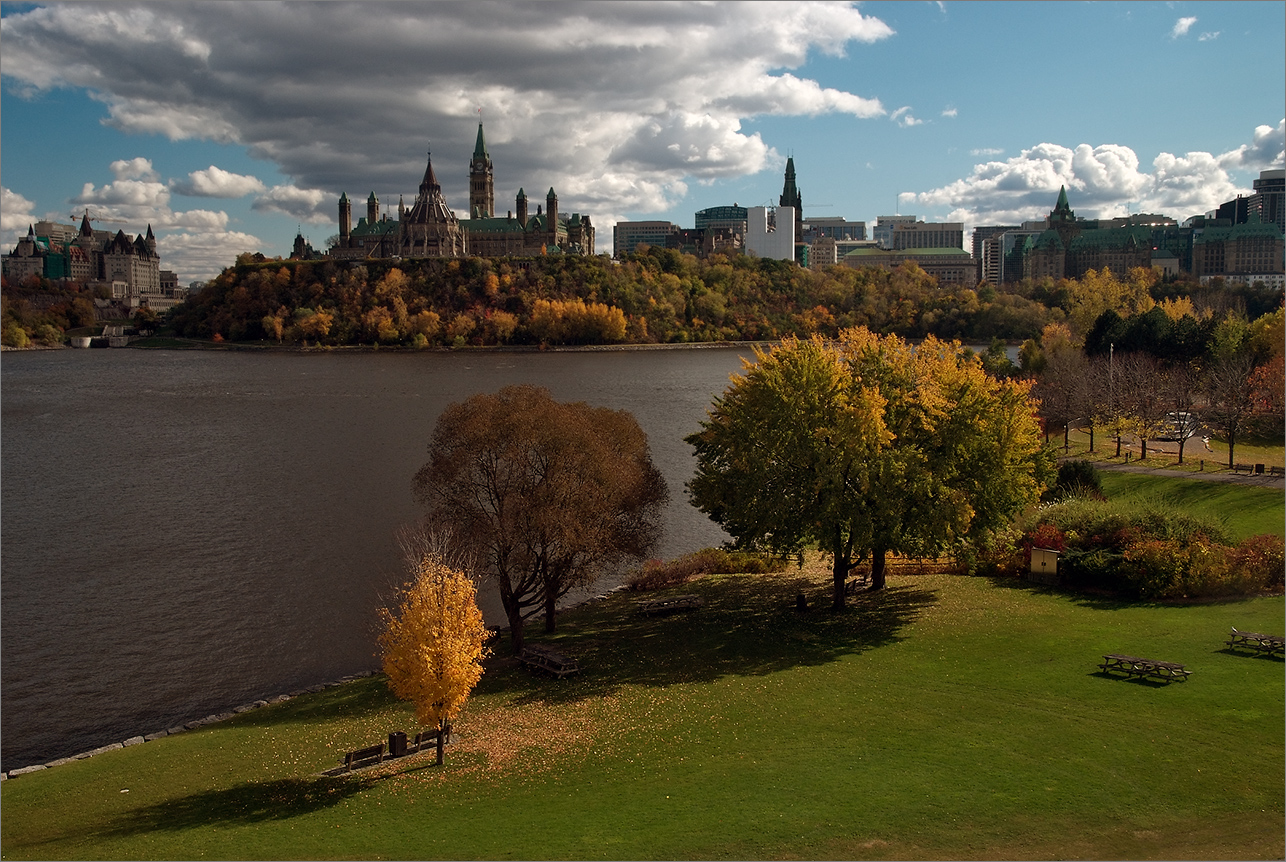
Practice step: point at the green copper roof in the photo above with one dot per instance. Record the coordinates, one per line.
(1112, 237)
(1252, 228)
(343, 198)
(480, 148)
(1049, 239)
(491, 225)
(1062, 199)
(379, 228)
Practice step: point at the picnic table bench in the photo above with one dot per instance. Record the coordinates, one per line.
(1262, 643)
(1249, 468)
(1165, 671)
(361, 756)
(546, 659)
(670, 605)
(1277, 471)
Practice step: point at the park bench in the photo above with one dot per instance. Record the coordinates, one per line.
(1249, 468)
(1261, 643)
(364, 756)
(1144, 668)
(427, 737)
(1277, 471)
(669, 606)
(546, 659)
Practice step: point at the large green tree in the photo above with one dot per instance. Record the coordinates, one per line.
(865, 447)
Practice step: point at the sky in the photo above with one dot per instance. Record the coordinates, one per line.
(230, 127)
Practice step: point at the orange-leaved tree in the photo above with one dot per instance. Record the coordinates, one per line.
(433, 644)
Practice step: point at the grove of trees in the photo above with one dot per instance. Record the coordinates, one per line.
(1165, 373)
(865, 447)
(547, 496)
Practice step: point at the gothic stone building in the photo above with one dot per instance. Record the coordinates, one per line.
(431, 229)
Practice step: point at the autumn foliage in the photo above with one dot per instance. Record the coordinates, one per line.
(432, 645)
(547, 495)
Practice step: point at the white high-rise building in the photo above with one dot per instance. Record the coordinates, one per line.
(771, 237)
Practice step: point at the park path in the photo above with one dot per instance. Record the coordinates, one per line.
(1262, 480)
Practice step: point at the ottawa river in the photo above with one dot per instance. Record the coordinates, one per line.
(187, 531)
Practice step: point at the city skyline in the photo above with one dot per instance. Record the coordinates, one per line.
(228, 127)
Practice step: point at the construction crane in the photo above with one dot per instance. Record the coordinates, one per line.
(102, 219)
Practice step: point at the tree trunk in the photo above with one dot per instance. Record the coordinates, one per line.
(1067, 436)
(1232, 439)
(1118, 446)
(1182, 441)
(551, 606)
(1143, 449)
(1091, 438)
(839, 573)
(515, 629)
(877, 568)
(442, 733)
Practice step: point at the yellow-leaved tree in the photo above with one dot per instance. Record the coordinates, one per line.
(433, 643)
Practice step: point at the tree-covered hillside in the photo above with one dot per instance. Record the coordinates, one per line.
(654, 297)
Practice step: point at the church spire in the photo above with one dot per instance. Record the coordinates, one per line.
(790, 197)
(482, 188)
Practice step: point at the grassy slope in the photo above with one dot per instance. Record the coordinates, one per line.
(948, 717)
(1245, 511)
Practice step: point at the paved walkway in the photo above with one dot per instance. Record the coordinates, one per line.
(1262, 480)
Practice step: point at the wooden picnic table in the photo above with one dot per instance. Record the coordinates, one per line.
(668, 605)
(1262, 643)
(548, 660)
(1165, 671)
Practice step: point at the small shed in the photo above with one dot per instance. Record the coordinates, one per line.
(1044, 566)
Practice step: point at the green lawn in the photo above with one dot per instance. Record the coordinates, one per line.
(947, 717)
(1243, 510)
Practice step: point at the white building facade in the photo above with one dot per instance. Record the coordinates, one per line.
(771, 232)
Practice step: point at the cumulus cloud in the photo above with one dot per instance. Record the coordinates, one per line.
(201, 255)
(215, 182)
(16, 215)
(308, 205)
(348, 96)
(950, 112)
(1266, 150)
(1181, 27)
(189, 241)
(1102, 181)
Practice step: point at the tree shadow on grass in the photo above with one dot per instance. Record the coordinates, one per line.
(243, 805)
(747, 625)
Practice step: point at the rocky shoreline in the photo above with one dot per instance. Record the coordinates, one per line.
(180, 728)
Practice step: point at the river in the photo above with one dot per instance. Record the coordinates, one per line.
(187, 531)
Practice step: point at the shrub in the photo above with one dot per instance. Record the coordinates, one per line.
(657, 575)
(14, 336)
(1262, 558)
(1076, 478)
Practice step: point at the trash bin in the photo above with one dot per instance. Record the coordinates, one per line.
(397, 744)
(1259, 469)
